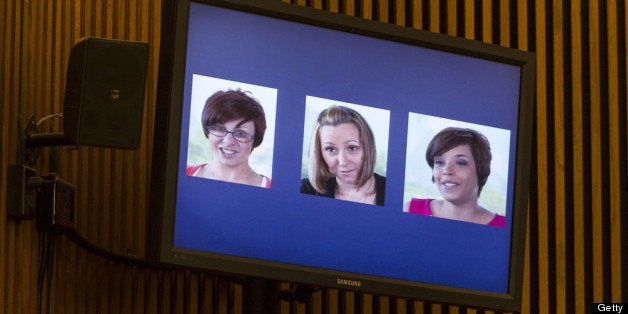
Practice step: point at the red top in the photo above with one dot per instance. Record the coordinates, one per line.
(422, 207)
(191, 171)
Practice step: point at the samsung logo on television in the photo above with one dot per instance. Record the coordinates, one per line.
(347, 282)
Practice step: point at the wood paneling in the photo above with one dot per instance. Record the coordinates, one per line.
(576, 248)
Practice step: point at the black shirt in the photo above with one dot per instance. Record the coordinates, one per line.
(330, 186)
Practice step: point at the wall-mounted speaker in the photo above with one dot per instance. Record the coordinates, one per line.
(104, 93)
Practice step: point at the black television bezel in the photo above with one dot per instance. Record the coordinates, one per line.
(166, 153)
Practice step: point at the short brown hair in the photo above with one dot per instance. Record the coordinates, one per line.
(335, 115)
(451, 137)
(224, 106)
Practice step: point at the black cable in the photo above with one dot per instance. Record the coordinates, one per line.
(50, 254)
(49, 227)
(296, 292)
(127, 259)
(41, 262)
(44, 273)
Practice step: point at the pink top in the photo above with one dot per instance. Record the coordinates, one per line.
(422, 207)
(192, 170)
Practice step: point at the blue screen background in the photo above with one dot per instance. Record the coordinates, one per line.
(281, 224)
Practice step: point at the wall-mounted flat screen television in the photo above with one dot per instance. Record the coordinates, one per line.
(305, 146)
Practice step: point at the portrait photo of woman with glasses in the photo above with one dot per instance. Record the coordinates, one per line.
(234, 124)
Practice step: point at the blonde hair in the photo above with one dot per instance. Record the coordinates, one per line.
(318, 171)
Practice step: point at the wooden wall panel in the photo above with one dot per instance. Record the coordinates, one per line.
(578, 231)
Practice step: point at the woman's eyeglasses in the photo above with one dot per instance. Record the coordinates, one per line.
(238, 135)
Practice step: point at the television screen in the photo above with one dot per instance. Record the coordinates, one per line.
(305, 146)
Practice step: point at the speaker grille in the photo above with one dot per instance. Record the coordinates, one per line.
(104, 96)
